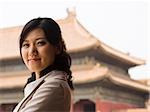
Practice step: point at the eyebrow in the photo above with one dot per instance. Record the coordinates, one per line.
(41, 38)
(35, 39)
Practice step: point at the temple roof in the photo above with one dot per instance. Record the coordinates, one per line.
(101, 73)
(77, 39)
(81, 75)
(15, 80)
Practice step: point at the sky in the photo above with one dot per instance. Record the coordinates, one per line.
(121, 24)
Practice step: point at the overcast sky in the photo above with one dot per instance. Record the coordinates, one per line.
(121, 24)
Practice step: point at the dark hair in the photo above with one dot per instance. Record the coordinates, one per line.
(53, 35)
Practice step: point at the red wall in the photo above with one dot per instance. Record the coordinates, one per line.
(107, 106)
(101, 106)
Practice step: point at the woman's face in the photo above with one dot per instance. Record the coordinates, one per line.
(37, 52)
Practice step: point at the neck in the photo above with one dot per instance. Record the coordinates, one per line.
(37, 74)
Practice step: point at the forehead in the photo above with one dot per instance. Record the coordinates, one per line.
(35, 34)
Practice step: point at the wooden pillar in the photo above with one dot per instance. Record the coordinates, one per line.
(97, 105)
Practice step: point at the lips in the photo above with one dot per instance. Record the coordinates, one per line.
(34, 59)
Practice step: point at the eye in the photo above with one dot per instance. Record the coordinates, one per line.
(41, 43)
(25, 45)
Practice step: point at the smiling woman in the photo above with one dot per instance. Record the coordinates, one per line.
(44, 53)
(37, 52)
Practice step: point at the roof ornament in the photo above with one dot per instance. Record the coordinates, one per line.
(71, 12)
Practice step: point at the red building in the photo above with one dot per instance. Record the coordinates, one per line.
(101, 79)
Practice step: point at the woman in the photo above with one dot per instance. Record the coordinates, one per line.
(44, 53)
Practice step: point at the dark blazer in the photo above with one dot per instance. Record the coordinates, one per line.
(50, 93)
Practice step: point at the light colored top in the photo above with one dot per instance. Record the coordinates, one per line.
(50, 93)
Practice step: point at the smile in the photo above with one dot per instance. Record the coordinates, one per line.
(34, 59)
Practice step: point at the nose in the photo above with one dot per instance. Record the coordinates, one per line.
(33, 51)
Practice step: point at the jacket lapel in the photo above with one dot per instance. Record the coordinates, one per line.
(29, 90)
(33, 86)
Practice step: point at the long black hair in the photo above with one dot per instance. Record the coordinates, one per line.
(53, 35)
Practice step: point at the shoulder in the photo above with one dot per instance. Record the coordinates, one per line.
(56, 76)
(54, 84)
(57, 79)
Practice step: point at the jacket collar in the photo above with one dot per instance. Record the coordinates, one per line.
(42, 73)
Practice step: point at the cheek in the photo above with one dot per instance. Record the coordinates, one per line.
(49, 56)
(24, 55)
